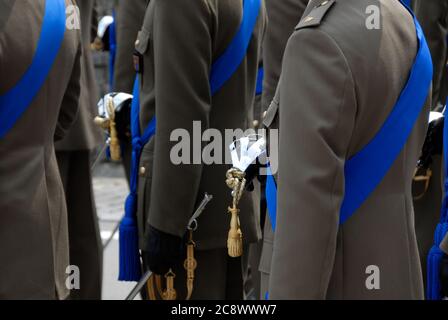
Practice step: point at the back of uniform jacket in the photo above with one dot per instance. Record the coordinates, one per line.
(341, 77)
(33, 217)
(179, 42)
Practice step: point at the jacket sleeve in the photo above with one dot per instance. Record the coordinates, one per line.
(70, 101)
(316, 119)
(182, 59)
(283, 17)
(432, 16)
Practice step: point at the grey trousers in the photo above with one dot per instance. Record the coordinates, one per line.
(86, 250)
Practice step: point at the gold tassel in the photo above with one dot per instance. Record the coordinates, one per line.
(235, 236)
(115, 152)
(236, 181)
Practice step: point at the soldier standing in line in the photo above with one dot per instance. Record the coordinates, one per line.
(333, 231)
(43, 85)
(129, 16)
(178, 43)
(74, 158)
(433, 17)
(251, 257)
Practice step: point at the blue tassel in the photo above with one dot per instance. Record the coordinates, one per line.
(433, 283)
(130, 265)
(433, 289)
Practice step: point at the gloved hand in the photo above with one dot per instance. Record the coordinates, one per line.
(163, 251)
(444, 275)
(253, 172)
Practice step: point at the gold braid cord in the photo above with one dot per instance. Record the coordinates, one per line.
(110, 125)
(235, 179)
(115, 153)
(155, 281)
(190, 265)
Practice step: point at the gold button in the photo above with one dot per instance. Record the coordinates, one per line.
(255, 123)
(308, 19)
(137, 42)
(142, 170)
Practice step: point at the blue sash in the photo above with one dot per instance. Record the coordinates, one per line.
(17, 100)
(226, 65)
(259, 87)
(221, 71)
(112, 51)
(435, 254)
(407, 3)
(366, 169)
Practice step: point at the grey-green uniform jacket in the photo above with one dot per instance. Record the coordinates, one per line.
(433, 17)
(339, 82)
(84, 134)
(129, 18)
(179, 42)
(283, 17)
(33, 216)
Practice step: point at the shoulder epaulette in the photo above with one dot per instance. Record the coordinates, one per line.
(316, 15)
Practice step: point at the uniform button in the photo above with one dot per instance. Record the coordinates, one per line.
(308, 19)
(264, 114)
(142, 170)
(137, 42)
(324, 3)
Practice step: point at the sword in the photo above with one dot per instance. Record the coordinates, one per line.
(114, 231)
(99, 156)
(139, 286)
(192, 223)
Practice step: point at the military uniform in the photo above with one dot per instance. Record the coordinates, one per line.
(33, 220)
(433, 17)
(283, 17)
(251, 257)
(179, 42)
(129, 16)
(73, 154)
(339, 82)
